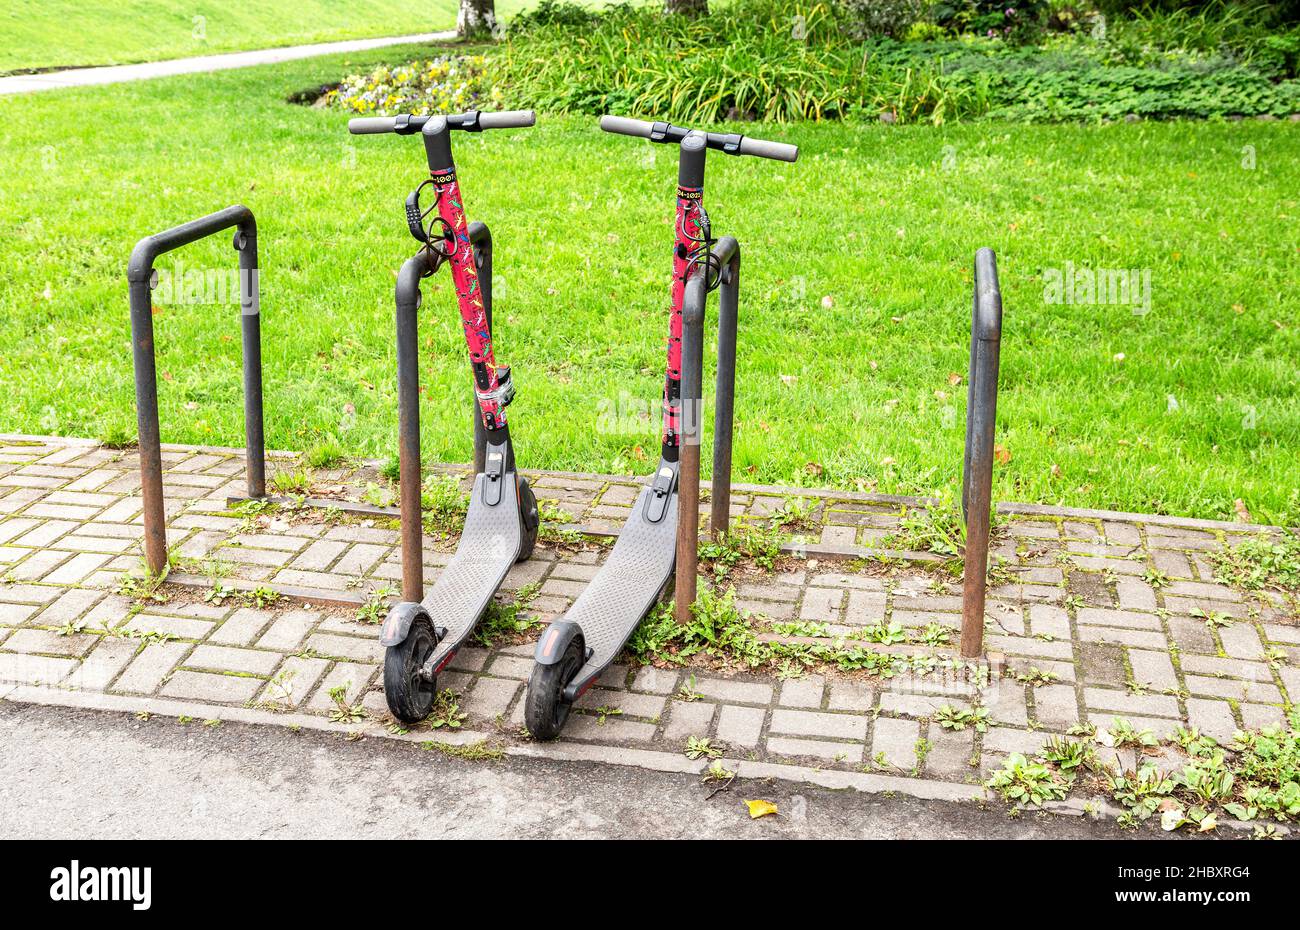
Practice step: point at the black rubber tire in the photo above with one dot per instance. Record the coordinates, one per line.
(409, 696)
(545, 709)
(530, 518)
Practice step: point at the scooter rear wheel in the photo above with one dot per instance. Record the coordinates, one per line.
(530, 518)
(545, 709)
(410, 696)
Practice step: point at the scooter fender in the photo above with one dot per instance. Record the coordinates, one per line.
(555, 641)
(398, 622)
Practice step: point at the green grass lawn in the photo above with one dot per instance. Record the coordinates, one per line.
(66, 33)
(855, 304)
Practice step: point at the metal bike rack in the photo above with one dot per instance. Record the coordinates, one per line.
(408, 403)
(142, 279)
(726, 251)
(977, 466)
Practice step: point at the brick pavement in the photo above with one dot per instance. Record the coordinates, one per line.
(1098, 614)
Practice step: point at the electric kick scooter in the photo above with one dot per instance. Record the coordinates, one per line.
(576, 648)
(422, 634)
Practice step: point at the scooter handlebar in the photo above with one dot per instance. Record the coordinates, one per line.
(730, 143)
(473, 121)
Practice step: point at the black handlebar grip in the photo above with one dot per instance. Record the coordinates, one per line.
(507, 119)
(626, 127)
(781, 151)
(368, 125)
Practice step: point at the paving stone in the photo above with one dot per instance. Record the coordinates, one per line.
(178, 627)
(1134, 594)
(851, 695)
(1234, 668)
(1276, 632)
(916, 705)
(1241, 641)
(231, 659)
(740, 726)
(287, 631)
(241, 628)
(103, 663)
(14, 527)
(1007, 739)
(1216, 592)
(1006, 704)
(1056, 706)
(37, 565)
(1199, 606)
(1121, 702)
(50, 642)
(14, 614)
(894, 742)
(769, 592)
(1127, 619)
(803, 692)
(821, 604)
(630, 703)
(1172, 564)
(203, 686)
(511, 667)
(293, 681)
(1258, 716)
(26, 669)
(693, 718)
(1121, 534)
(1213, 718)
(613, 729)
(1291, 681)
(1153, 669)
(319, 555)
(813, 723)
(1143, 639)
(1257, 691)
(469, 659)
(352, 676)
(731, 690)
(349, 647)
(1103, 664)
(655, 680)
(323, 580)
(1050, 620)
(950, 754)
(68, 607)
(43, 534)
(490, 697)
(1191, 635)
(150, 667)
(848, 753)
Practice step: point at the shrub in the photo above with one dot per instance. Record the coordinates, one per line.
(448, 84)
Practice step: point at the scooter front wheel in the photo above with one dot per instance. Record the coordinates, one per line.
(529, 518)
(545, 709)
(409, 694)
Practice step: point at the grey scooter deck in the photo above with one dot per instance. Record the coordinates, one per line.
(488, 548)
(625, 588)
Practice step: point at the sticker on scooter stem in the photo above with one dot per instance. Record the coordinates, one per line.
(464, 274)
(690, 212)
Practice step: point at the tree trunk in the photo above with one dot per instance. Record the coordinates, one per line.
(688, 7)
(475, 18)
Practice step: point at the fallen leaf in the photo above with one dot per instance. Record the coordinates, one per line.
(887, 460)
(827, 302)
(954, 379)
(814, 468)
(1238, 308)
(1243, 514)
(760, 808)
(1056, 470)
(941, 396)
(789, 379)
(1119, 356)
(1001, 454)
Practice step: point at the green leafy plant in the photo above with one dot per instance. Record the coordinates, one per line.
(1023, 782)
(703, 748)
(376, 605)
(959, 718)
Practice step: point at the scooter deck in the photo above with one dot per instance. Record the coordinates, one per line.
(625, 588)
(488, 547)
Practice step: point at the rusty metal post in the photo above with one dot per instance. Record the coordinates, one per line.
(977, 476)
(688, 481)
(408, 429)
(727, 252)
(141, 280)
